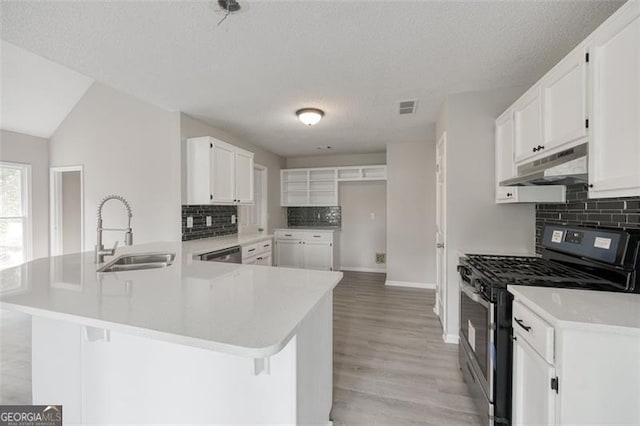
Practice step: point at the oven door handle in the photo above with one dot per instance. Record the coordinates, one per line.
(473, 294)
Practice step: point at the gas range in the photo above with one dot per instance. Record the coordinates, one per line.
(573, 257)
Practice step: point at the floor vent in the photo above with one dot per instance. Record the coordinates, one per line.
(408, 107)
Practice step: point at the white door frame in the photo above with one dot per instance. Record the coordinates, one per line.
(55, 206)
(441, 232)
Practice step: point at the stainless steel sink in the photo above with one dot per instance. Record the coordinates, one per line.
(139, 261)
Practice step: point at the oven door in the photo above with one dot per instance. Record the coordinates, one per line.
(477, 324)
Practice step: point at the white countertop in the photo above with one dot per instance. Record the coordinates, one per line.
(206, 245)
(245, 310)
(309, 229)
(570, 308)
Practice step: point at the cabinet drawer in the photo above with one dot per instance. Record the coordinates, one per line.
(318, 236)
(249, 250)
(533, 329)
(264, 246)
(289, 235)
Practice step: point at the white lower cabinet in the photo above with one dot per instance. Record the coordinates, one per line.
(533, 398)
(257, 253)
(308, 249)
(573, 362)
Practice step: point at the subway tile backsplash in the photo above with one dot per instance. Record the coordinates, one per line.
(581, 211)
(220, 221)
(314, 216)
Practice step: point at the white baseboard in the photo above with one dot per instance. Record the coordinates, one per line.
(411, 284)
(451, 338)
(359, 269)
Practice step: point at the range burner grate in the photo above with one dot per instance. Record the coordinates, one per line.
(524, 269)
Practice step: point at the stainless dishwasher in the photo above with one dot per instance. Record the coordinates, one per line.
(228, 255)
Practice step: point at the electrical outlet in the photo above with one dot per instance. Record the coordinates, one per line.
(189, 221)
(208, 220)
(381, 258)
(233, 218)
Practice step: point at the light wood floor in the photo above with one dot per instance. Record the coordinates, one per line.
(391, 366)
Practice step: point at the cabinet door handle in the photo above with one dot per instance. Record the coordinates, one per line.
(521, 324)
(317, 236)
(287, 235)
(250, 250)
(258, 258)
(535, 149)
(509, 194)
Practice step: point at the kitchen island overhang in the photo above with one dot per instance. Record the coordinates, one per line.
(217, 343)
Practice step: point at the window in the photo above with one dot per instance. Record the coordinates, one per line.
(253, 218)
(15, 221)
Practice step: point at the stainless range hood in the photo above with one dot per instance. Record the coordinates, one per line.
(563, 168)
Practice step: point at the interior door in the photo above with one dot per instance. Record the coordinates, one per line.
(223, 173)
(290, 253)
(318, 255)
(441, 217)
(244, 176)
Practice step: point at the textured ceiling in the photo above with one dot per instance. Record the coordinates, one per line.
(37, 94)
(353, 59)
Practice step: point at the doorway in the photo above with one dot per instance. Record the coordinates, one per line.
(67, 210)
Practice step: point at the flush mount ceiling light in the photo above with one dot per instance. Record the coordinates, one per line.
(310, 116)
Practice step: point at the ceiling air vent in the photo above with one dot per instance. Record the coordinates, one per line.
(407, 107)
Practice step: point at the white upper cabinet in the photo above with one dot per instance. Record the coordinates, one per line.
(504, 156)
(592, 96)
(218, 173)
(505, 169)
(614, 148)
(527, 125)
(223, 172)
(564, 102)
(244, 176)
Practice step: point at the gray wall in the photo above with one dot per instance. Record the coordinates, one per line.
(411, 212)
(475, 223)
(127, 147)
(71, 212)
(361, 236)
(191, 127)
(337, 160)
(20, 148)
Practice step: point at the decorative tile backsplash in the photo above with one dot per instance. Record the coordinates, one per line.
(314, 216)
(582, 211)
(220, 221)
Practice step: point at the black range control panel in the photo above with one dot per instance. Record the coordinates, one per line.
(597, 244)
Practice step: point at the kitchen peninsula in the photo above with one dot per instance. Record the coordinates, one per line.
(195, 342)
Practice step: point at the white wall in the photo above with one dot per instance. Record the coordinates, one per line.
(475, 223)
(127, 147)
(71, 212)
(411, 212)
(361, 236)
(20, 148)
(337, 160)
(191, 127)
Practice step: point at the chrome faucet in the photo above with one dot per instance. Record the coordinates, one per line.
(101, 252)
